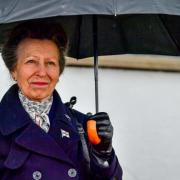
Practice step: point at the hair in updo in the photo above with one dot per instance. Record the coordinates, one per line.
(36, 30)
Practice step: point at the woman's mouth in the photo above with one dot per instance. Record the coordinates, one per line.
(40, 83)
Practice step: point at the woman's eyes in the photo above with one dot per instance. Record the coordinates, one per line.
(31, 61)
(51, 63)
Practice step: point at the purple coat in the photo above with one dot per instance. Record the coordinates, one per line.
(27, 152)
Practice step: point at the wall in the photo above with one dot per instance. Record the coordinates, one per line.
(144, 110)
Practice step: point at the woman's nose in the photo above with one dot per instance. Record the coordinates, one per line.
(41, 71)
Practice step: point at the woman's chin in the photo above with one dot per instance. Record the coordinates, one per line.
(38, 96)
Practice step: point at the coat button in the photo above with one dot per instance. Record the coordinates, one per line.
(72, 172)
(37, 175)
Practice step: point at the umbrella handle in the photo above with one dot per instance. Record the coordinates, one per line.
(92, 132)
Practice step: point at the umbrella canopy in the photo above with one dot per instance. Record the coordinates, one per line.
(122, 34)
(16, 10)
(128, 34)
(138, 26)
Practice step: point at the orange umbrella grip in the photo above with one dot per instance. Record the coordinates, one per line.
(92, 132)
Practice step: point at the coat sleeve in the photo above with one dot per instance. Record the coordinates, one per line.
(112, 171)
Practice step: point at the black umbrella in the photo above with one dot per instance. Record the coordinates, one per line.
(94, 31)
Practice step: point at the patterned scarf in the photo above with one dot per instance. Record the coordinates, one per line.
(38, 111)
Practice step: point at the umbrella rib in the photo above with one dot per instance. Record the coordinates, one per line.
(169, 34)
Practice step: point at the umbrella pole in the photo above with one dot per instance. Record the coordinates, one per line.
(95, 49)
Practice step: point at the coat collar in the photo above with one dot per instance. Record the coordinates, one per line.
(12, 114)
(13, 117)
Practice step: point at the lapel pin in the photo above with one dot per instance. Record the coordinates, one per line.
(64, 133)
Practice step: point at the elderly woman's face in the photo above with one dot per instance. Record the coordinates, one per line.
(37, 70)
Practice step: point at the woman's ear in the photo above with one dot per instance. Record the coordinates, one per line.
(14, 75)
(14, 72)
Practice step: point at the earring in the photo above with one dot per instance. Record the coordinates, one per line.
(14, 79)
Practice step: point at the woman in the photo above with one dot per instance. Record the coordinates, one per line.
(40, 137)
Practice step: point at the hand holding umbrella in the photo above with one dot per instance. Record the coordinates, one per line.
(101, 144)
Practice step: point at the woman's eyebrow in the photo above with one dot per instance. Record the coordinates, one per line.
(31, 56)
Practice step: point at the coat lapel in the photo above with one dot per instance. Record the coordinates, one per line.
(12, 115)
(35, 139)
(14, 118)
(65, 134)
(63, 125)
(16, 157)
